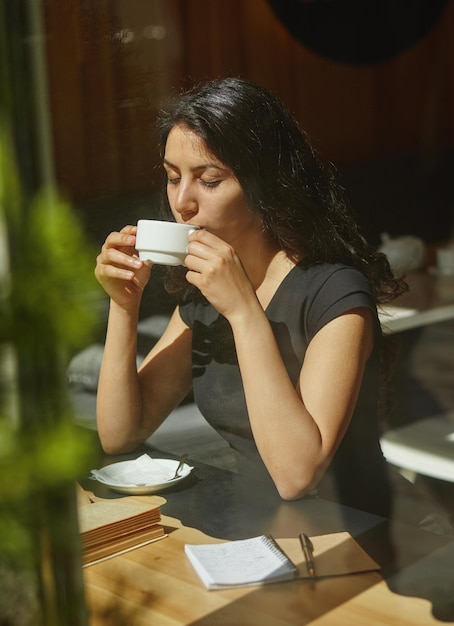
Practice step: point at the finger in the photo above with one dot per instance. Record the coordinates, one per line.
(207, 249)
(129, 229)
(194, 278)
(109, 272)
(204, 238)
(119, 258)
(120, 240)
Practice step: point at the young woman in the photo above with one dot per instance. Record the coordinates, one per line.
(276, 325)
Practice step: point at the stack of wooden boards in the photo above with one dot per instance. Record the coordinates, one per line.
(110, 527)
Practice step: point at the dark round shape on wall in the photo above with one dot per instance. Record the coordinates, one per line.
(358, 31)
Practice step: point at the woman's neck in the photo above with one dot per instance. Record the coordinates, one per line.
(266, 268)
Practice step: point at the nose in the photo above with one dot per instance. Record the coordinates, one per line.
(185, 201)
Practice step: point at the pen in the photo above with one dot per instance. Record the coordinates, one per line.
(308, 549)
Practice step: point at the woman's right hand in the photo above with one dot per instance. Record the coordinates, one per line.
(119, 270)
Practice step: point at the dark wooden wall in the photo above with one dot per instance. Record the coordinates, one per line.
(352, 112)
(110, 66)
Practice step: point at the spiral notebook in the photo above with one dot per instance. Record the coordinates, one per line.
(263, 559)
(241, 563)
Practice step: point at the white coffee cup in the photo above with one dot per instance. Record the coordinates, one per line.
(445, 261)
(164, 243)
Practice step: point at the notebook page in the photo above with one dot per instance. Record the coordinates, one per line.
(243, 562)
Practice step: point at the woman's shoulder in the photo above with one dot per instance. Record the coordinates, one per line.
(335, 285)
(313, 286)
(318, 275)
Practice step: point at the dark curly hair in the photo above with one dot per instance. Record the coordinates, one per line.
(296, 193)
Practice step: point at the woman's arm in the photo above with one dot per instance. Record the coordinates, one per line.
(297, 431)
(130, 406)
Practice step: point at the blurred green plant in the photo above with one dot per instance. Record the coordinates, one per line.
(46, 313)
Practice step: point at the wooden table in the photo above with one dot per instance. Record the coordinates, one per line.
(429, 300)
(156, 585)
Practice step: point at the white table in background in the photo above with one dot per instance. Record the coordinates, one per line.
(429, 300)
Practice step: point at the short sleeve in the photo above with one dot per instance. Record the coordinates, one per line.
(343, 290)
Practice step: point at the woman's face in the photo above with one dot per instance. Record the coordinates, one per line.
(204, 192)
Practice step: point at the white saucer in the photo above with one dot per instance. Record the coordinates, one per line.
(117, 476)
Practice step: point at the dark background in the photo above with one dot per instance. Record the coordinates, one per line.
(374, 91)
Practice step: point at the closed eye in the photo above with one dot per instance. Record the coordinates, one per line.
(209, 183)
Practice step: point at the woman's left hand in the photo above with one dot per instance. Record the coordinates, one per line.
(216, 270)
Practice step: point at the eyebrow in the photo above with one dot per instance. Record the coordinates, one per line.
(202, 166)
